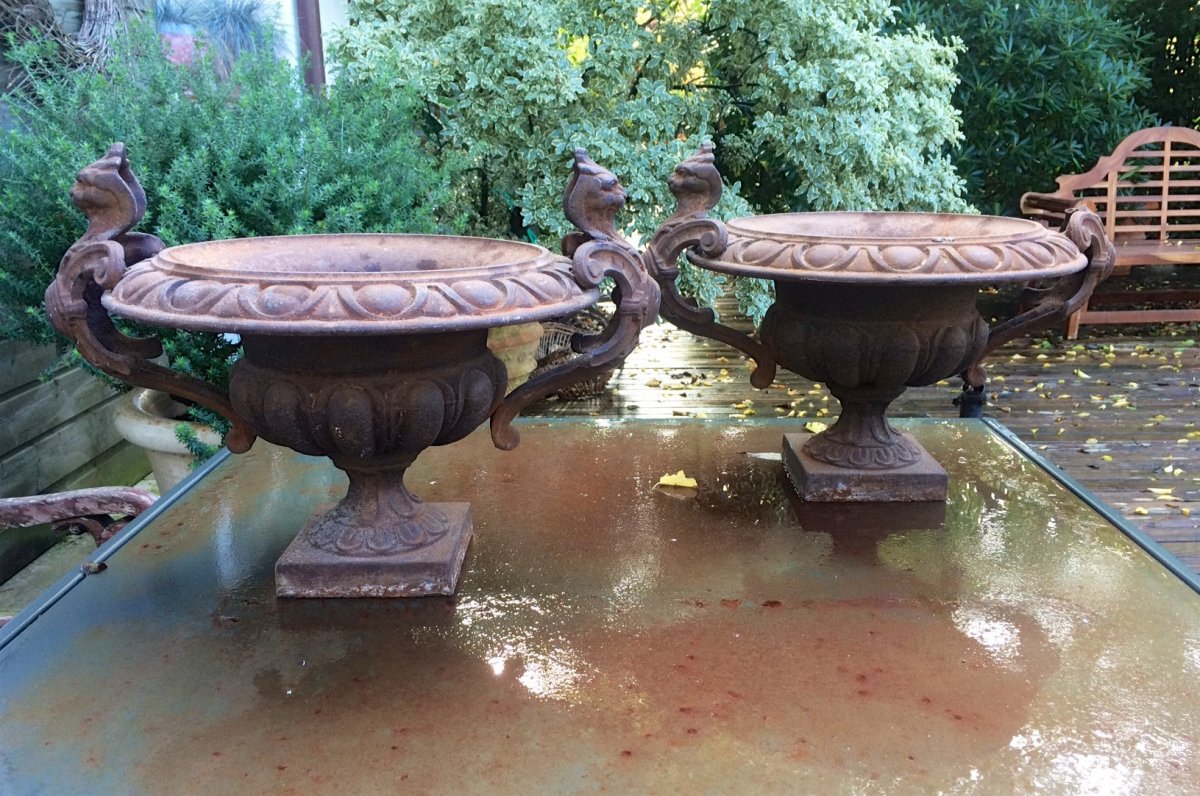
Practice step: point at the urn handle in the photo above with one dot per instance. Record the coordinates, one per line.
(113, 201)
(592, 198)
(696, 184)
(1052, 304)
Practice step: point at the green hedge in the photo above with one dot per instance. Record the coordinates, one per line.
(256, 154)
(1048, 86)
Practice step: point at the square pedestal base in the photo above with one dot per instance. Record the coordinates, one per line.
(817, 481)
(307, 571)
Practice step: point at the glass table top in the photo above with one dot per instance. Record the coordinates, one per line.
(610, 634)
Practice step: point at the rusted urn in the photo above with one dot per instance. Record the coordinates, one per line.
(871, 304)
(365, 348)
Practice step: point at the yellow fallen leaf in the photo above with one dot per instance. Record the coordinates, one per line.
(1106, 458)
(815, 426)
(1091, 441)
(1141, 510)
(677, 479)
(1081, 374)
(1160, 490)
(654, 383)
(723, 372)
(1185, 511)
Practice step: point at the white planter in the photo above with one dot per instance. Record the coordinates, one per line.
(148, 419)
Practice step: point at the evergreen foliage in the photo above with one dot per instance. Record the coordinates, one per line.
(256, 154)
(1048, 86)
(1171, 47)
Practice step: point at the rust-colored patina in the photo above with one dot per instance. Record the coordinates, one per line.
(870, 304)
(89, 510)
(367, 349)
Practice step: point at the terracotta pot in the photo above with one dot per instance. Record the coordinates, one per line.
(149, 419)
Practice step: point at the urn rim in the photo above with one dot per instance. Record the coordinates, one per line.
(350, 283)
(893, 248)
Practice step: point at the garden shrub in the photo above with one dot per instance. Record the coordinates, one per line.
(1047, 87)
(256, 154)
(1171, 47)
(811, 104)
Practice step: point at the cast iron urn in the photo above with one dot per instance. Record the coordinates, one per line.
(364, 348)
(870, 304)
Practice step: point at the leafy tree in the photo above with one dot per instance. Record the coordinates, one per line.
(813, 104)
(1172, 48)
(1048, 86)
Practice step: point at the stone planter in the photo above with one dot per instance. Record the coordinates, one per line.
(148, 419)
(516, 346)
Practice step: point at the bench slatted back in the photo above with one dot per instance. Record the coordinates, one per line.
(1148, 189)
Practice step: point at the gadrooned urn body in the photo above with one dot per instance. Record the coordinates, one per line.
(867, 337)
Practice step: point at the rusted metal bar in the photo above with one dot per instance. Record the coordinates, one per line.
(87, 509)
(312, 49)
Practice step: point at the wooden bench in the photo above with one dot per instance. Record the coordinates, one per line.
(1148, 193)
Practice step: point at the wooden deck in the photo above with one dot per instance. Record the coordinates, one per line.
(1120, 414)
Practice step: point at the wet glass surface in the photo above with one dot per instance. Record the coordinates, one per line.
(610, 634)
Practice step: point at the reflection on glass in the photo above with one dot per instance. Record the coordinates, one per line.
(1001, 639)
(514, 635)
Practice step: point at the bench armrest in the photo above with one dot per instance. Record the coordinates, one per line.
(1038, 203)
